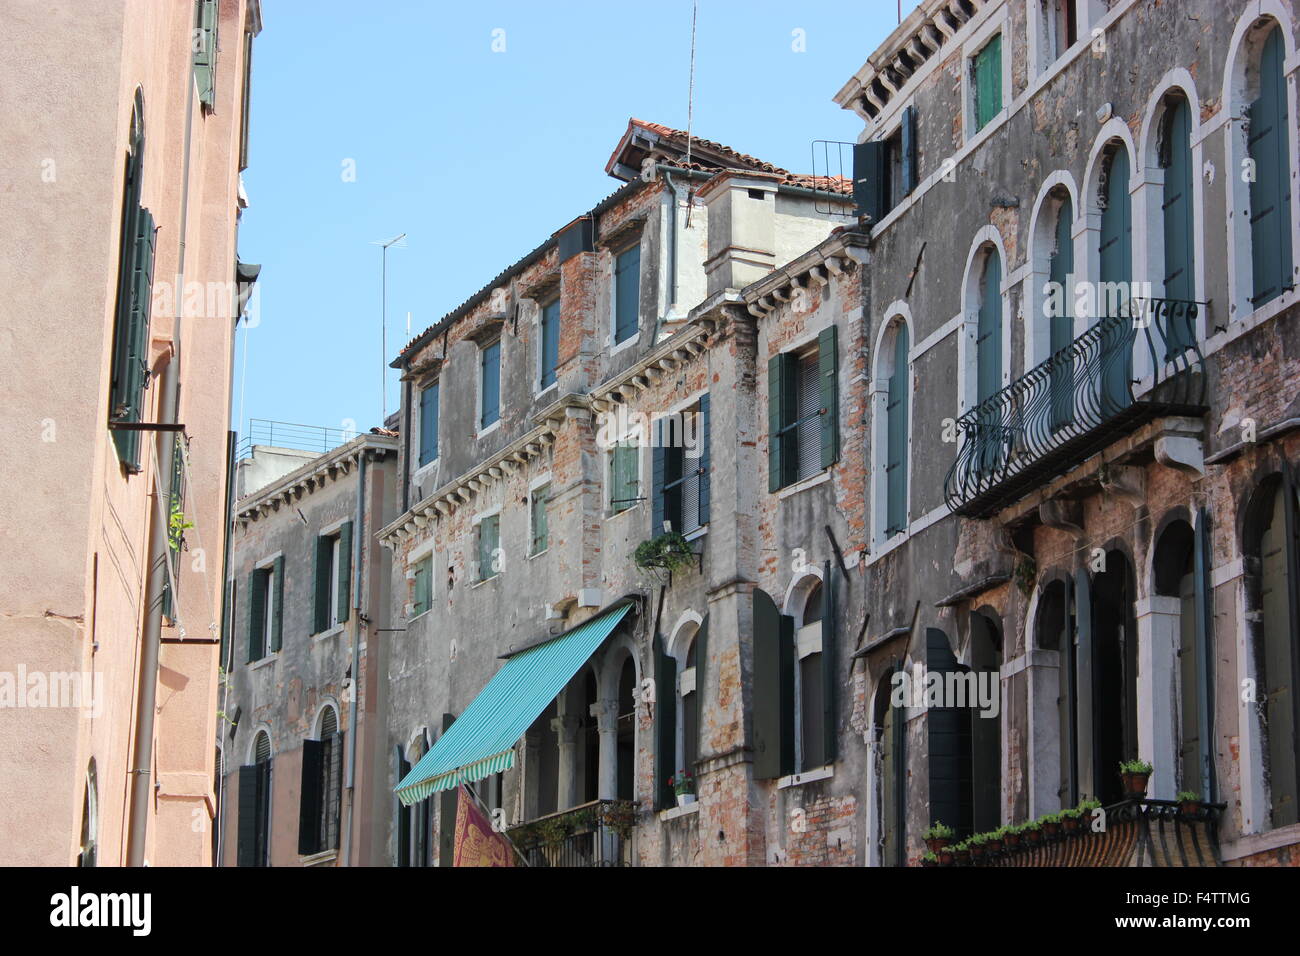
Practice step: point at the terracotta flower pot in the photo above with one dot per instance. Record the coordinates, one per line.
(977, 853)
(963, 856)
(1051, 829)
(1033, 836)
(1013, 841)
(935, 844)
(1190, 808)
(995, 845)
(945, 857)
(1135, 784)
(1070, 824)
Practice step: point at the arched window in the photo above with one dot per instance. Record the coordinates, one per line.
(1272, 552)
(89, 820)
(254, 811)
(134, 295)
(897, 433)
(1268, 147)
(1174, 322)
(322, 786)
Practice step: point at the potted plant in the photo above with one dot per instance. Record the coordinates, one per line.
(1189, 803)
(937, 836)
(663, 555)
(1135, 774)
(929, 859)
(997, 839)
(978, 845)
(1031, 833)
(683, 785)
(1051, 824)
(961, 852)
(1012, 837)
(1070, 820)
(1086, 808)
(945, 856)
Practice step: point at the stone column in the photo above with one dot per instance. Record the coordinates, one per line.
(1158, 619)
(606, 714)
(1043, 672)
(566, 729)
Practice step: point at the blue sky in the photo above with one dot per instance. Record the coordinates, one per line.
(480, 155)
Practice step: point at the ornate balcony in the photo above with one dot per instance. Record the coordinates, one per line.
(1076, 403)
(593, 834)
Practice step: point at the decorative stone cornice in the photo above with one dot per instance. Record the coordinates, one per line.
(313, 475)
(816, 267)
(671, 354)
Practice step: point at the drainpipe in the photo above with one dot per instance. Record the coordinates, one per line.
(156, 570)
(672, 250)
(358, 609)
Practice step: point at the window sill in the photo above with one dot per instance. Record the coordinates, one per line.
(416, 617)
(484, 432)
(319, 859)
(631, 340)
(672, 813)
(479, 584)
(1236, 328)
(334, 631)
(809, 776)
(610, 514)
(264, 661)
(539, 392)
(804, 484)
(699, 532)
(538, 554)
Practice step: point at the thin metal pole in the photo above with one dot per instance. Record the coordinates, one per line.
(383, 323)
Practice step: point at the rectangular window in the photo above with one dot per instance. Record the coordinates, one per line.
(266, 601)
(429, 424)
(803, 412)
(490, 381)
(550, 343)
(319, 793)
(332, 583)
(540, 520)
(681, 470)
(489, 547)
(627, 293)
(986, 76)
(423, 598)
(624, 476)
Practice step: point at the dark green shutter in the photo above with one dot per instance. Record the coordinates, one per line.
(778, 395)
(447, 807)
(828, 374)
(773, 689)
(988, 82)
(869, 180)
(1177, 203)
(1270, 193)
(703, 460)
(256, 617)
(1116, 273)
(1203, 585)
(910, 168)
(665, 724)
(988, 344)
(1061, 327)
(658, 455)
(249, 810)
(127, 398)
(830, 678)
(320, 585)
(205, 57)
(627, 293)
(309, 799)
(701, 677)
(1086, 773)
(949, 738)
(896, 424)
(345, 571)
(277, 619)
(402, 813)
(227, 622)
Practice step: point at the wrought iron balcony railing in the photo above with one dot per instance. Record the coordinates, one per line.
(593, 834)
(1077, 402)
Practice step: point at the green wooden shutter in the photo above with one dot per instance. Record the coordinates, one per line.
(988, 361)
(658, 465)
(246, 851)
(277, 619)
(830, 677)
(309, 798)
(128, 398)
(896, 424)
(1086, 774)
(869, 180)
(828, 373)
(345, 571)
(1270, 192)
(429, 424)
(1177, 203)
(205, 51)
(703, 461)
(701, 678)
(665, 724)
(256, 617)
(627, 293)
(949, 744)
(227, 622)
(988, 82)
(910, 168)
(777, 396)
(1061, 327)
(1116, 273)
(1203, 563)
(773, 689)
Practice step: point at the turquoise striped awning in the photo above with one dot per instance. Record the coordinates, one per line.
(482, 741)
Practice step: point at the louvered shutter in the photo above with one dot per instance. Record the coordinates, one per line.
(773, 689)
(249, 809)
(277, 618)
(776, 419)
(910, 168)
(1116, 274)
(256, 617)
(491, 380)
(627, 291)
(345, 571)
(830, 676)
(1203, 595)
(828, 362)
(988, 360)
(704, 461)
(550, 342)
(1061, 327)
(128, 399)
(1270, 192)
(665, 724)
(429, 409)
(309, 798)
(1086, 773)
(949, 739)
(869, 180)
(205, 52)
(988, 82)
(896, 424)
(658, 477)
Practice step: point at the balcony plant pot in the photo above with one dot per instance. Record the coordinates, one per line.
(1191, 809)
(977, 853)
(1051, 829)
(685, 799)
(1034, 837)
(1070, 825)
(995, 845)
(935, 844)
(1013, 841)
(945, 857)
(962, 857)
(1135, 784)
